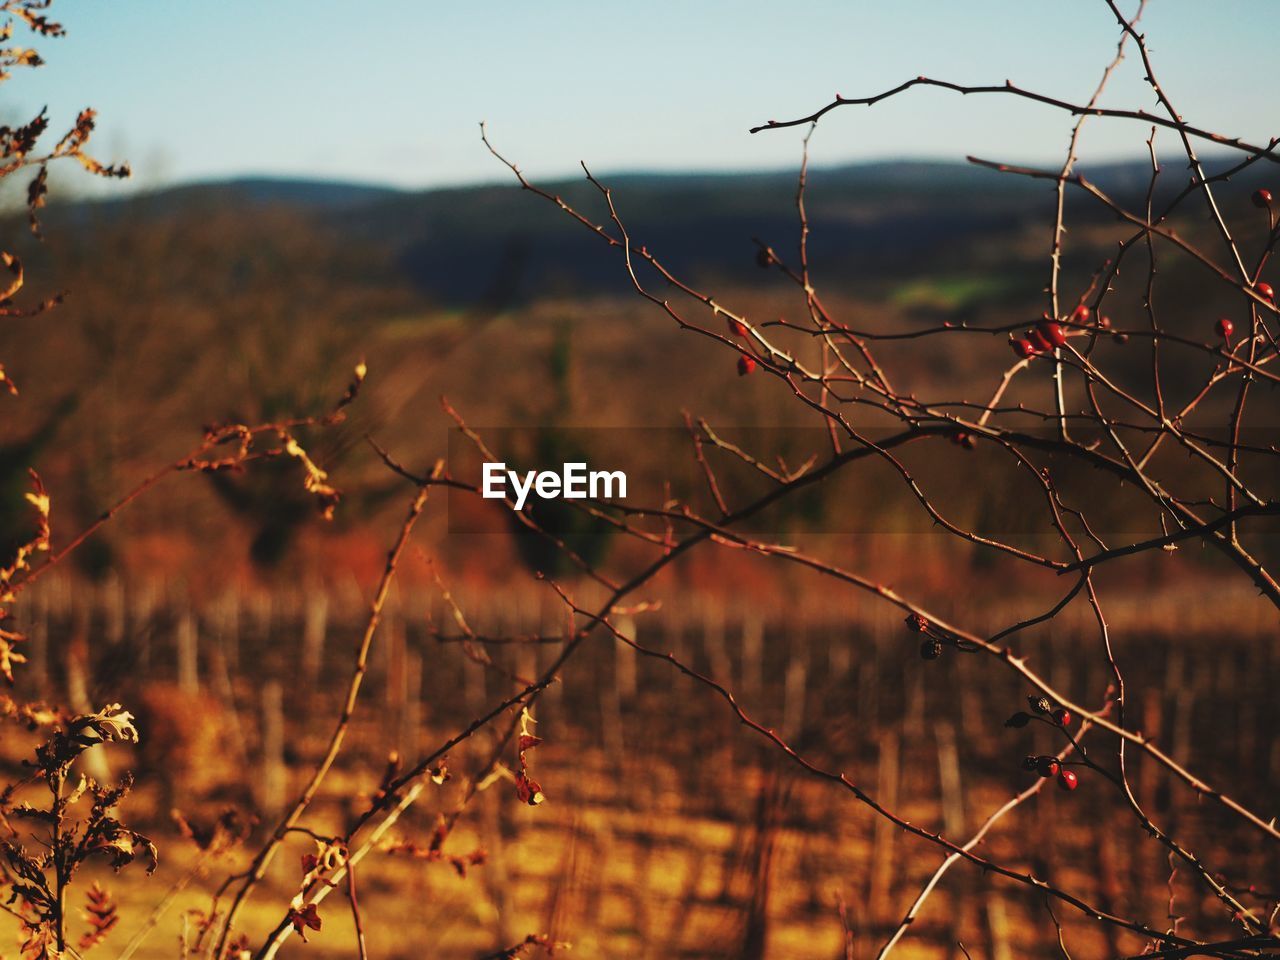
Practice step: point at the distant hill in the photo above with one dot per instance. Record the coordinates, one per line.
(866, 219)
(874, 224)
(319, 194)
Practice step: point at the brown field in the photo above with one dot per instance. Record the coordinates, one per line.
(669, 830)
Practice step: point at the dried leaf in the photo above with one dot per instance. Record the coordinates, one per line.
(100, 913)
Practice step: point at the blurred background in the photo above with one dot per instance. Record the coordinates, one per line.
(310, 190)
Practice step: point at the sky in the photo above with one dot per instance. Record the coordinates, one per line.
(393, 92)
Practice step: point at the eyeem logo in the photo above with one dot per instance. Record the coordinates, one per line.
(573, 482)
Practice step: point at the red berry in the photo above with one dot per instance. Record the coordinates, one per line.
(1062, 717)
(1047, 766)
(1266, 291)
(1262, 198)
(736, 328)
(1120, 338)
(1023, 348)
(1051, 330)
(1068, 780)
(1038, 342)
(1081, 314)
(1104, 323)
(745, 365)
(1225, 328)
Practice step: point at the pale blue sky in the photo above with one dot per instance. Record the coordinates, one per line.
(391, 92)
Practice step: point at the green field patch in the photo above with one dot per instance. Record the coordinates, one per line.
(410, 326)
(951, 292)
